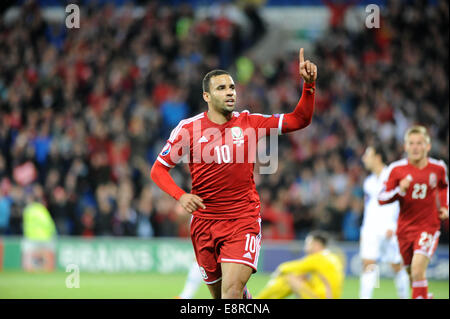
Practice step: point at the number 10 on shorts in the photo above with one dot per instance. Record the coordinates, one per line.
(250, 243)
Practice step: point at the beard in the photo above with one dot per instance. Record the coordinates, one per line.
(222, 108)
(227, 110)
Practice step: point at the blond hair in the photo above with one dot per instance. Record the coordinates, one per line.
(418, 129)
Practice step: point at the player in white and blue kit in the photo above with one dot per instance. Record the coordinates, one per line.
(378, 242)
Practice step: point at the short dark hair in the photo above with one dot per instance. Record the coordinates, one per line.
(379, 150)
(320, 236)
(208, 77)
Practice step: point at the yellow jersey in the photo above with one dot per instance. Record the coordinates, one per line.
(323, 270)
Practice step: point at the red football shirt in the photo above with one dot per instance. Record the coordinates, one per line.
(418, 206)
(221, 160)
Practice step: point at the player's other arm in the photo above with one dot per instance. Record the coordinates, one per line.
(393, 190)
(303, 112)
(175, 148)
(161, 176)
(443, 193)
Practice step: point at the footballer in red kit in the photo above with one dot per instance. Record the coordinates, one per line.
(420, 184)
(219, 146)
(213, 155)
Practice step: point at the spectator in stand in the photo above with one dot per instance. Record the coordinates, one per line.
(145, 213)
(95, 106)
(338, 10)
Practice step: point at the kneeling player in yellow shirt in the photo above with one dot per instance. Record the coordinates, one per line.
(319, 275)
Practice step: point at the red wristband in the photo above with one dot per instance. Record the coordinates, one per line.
(309, 87)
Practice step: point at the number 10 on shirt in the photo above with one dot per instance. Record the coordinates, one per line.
(223, 154)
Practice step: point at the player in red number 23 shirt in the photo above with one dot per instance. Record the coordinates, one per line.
(417, 182)
(219, 146)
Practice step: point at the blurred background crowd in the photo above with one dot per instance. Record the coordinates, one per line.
(85, 112)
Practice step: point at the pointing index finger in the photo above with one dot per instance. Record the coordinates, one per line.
(302, 59)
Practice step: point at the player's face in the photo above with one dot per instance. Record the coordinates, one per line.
(368, 158)
(417, 147)
(222, 94)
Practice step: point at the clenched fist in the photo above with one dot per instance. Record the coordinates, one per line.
(404, 183)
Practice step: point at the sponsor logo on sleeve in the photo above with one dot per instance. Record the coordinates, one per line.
(166, 149)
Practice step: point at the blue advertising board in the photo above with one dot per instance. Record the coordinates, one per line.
(275, 253)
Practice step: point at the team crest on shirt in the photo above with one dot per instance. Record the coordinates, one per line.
(432, 180)
(238, 135)
(166, 149)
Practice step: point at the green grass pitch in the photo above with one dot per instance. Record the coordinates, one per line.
(21, 285)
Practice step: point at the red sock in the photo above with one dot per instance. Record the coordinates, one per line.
(420, 289)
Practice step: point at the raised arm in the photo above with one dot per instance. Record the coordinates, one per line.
(303, 112)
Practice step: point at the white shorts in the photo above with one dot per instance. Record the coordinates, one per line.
(375, 246)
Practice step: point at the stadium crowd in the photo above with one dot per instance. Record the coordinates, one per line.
(84, 113)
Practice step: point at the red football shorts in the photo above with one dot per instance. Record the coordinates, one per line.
(228, 240)
(421, 242)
